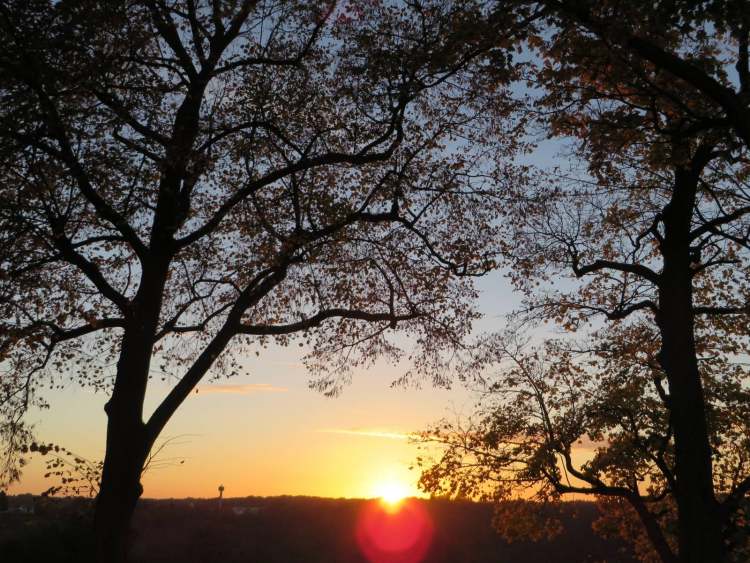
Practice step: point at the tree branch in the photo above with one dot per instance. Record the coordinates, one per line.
(729, 101)
(258, 288)
(718, 310)
(712, 225)
(636, 269)
(321, 316)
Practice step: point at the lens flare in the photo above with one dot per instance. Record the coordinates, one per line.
(394, 534)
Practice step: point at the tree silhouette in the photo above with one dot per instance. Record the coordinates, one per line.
(668, 36)
(651, 222)
(179, 176)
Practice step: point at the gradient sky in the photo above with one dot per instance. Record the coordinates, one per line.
(266, 433)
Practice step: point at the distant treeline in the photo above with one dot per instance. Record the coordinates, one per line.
(288, 530)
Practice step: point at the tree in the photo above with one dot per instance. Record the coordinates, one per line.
(181, 182)
(653, 230)
(556, 420)
(667, 34)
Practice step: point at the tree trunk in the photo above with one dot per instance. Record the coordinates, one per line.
(127, 448)
(653, 530)
(118, 495)
(699, 520)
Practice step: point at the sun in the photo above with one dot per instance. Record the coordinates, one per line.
(391, 493)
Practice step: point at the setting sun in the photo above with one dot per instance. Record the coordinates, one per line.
(392, 493)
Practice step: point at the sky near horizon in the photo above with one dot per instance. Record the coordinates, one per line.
(266, 433)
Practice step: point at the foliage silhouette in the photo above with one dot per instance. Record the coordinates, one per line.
(184, 182)
(648, 230)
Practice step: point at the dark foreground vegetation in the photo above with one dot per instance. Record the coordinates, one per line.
(285, 530)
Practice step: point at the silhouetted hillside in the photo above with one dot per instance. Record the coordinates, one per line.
(290, 530)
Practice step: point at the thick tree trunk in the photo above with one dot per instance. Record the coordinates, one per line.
(118, 495)
(700, 533)
(127, 448)
(699, 520)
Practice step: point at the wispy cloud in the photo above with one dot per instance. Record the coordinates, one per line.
(248, 389)
(367, 432)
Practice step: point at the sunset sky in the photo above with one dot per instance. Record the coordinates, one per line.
(266, 433)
